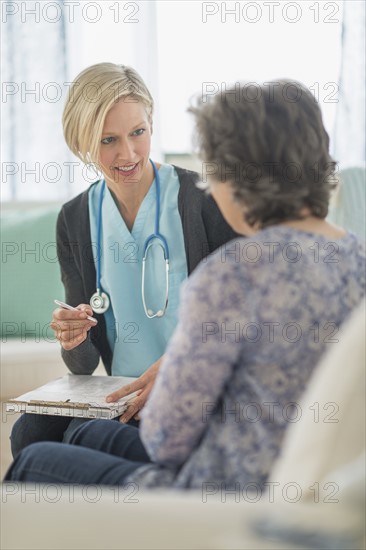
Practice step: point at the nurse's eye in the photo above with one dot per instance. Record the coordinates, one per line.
(139, 132)
(107, 140)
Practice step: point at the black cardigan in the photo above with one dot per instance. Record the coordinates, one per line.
(204, 230)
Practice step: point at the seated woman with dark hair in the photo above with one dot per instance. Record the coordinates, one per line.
(254, 318)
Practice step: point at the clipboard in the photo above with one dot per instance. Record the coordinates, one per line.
(74, 395)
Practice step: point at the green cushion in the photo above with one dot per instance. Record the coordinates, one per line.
(30, 273)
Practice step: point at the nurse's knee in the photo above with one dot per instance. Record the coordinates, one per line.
(31, 428)
(21, 433)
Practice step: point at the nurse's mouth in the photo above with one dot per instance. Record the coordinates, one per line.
(127, 170)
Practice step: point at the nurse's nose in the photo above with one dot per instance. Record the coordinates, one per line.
(125, 152)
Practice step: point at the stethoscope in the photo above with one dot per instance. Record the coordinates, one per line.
(100, 301)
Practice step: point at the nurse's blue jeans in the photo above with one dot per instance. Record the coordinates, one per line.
(32, 428)
(95, 452)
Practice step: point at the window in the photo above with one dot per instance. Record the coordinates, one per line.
(181, 48)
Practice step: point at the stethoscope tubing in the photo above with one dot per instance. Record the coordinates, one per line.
(101, 298)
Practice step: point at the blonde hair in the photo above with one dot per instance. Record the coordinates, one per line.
(91, 96)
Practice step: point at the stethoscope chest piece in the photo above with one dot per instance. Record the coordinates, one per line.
(99, 302)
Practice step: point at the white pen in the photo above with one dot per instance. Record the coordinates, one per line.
(66, 306)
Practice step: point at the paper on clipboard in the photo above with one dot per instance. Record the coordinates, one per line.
(81, 396)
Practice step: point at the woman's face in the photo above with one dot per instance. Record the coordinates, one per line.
(125, 145)
(232, 210)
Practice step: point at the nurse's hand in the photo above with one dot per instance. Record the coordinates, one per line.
(143, 385)
(71, 327)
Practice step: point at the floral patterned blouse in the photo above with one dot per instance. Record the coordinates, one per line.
(255, 318)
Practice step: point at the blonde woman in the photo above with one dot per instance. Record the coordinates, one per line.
(137, 209)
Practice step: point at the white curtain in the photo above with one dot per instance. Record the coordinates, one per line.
(33, 92)
(349, 138)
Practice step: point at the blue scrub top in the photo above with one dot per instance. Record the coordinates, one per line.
(137, 341)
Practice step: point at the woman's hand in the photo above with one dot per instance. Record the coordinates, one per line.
(143, 385)
(71, 327)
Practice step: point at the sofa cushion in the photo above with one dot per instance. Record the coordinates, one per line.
(30, 272)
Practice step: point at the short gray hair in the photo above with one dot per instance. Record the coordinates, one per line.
(273, 150)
